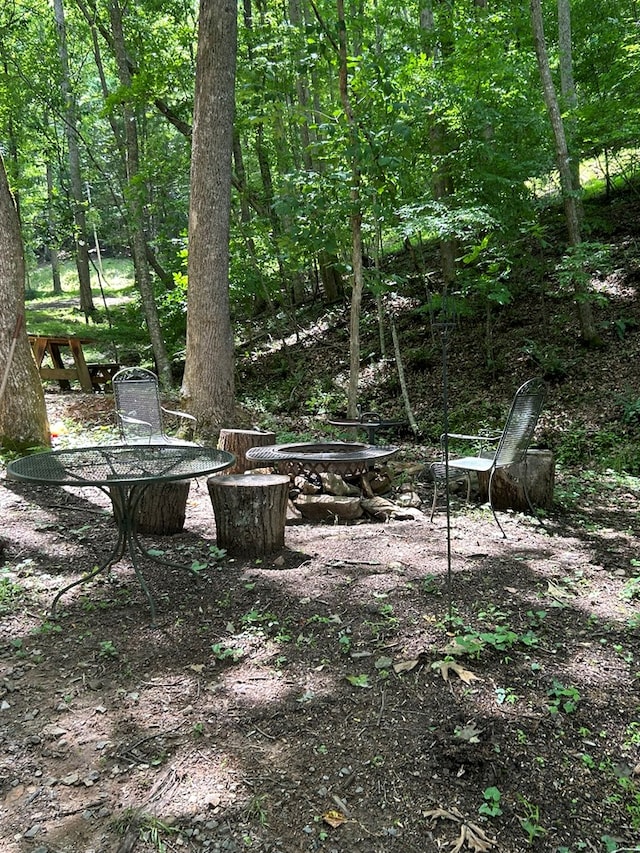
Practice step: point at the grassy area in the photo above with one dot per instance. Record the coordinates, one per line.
(117, 321)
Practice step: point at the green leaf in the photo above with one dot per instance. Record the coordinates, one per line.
(359, 680)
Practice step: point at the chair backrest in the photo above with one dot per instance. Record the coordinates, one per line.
(521, 423)
(137, 404)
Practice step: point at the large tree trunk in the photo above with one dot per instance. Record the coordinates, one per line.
(75, 176)
(23, 416)
(563, 161)
(208, 384)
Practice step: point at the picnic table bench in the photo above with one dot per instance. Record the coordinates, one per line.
(48, 348)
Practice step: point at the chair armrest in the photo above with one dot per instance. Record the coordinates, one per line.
(127, 419)
(178, 414)
(482, 439)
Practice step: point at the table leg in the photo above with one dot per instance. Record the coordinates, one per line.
(127, 503)
(115, 555)
(81, 366)
(57, 361)
(126, 500)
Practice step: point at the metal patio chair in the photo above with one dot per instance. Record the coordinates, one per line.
(139, 411)
(511, 445)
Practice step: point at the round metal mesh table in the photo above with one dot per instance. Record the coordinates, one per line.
(110, 465)
(344, 458)
(124, 471)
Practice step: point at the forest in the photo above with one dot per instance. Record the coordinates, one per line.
(293, 213)
(462, 139)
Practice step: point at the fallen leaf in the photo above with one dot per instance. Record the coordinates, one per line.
(451, 814)
(196, 667)
(334, 818)
(558, 592)
(474, 838)
(446, 666)
(471, 733)
(405, 665)
(471, 835)
(408, 665)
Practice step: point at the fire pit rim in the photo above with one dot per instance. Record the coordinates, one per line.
(344, 457)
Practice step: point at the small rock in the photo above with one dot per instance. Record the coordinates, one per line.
(328, 507)
(333, 484)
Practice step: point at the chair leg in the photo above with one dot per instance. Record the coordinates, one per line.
(493, 470)
(435, 498)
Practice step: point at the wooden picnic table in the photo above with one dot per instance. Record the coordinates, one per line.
(50, 348)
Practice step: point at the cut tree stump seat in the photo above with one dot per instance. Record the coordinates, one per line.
(162, 508)
(250, 512)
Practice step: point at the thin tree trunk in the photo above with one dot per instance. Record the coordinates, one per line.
(439, 144)
(568, 91)
(136, 201)
(401, 378)
(75, 176)
(585, 315)
(355, 222)
(52, 241)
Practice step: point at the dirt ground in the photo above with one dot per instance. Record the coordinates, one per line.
(353, 694)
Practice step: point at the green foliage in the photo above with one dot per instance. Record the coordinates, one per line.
(491, 805)
(530, 822)
(107, 649)
(222, 652)
(546, 359)
(10, 592)
(562, 698)
(598, 449)
(580, 264)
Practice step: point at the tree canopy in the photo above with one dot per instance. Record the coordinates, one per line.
(446, 130)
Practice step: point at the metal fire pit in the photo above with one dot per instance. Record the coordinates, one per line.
(337, 457)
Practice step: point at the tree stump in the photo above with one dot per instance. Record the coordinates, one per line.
(250, 512)
(507, 491)
(161, 509)
(238, 441)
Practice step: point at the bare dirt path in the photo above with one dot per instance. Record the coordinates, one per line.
(321, 700)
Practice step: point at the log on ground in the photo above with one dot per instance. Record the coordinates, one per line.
(250, 512)
(507, 490)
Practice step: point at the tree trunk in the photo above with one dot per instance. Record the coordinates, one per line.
(507, 491)
(238, 441)
(208, 384)
(585, 315)
(23, 415)
(250, 512)
(161, 510)
(568, 91)
(75, 177)
(355, 221)
(439, 45)
(52, 240)
(136, 203)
